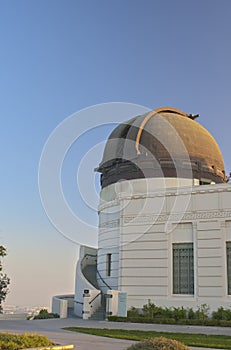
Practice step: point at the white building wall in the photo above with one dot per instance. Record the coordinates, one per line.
(144, 265)
(142, 242)
(108, 242)
(211, 260)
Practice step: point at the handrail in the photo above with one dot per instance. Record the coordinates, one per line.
(92, 255)
(90, 302)
(97, 271)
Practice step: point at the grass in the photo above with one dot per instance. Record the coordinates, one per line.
(198, 340)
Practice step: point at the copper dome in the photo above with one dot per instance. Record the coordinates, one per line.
(164, 142)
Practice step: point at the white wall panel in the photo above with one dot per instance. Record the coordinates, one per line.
(210, 253)
(225, 200)
(208, 225)
(210, 271)
(210, 292)
(144, 254)
(209, 234)
(144, 263)
(144, 281)
(207, 201)
(139, 245)
(147, 291)
(210, 281)
(209, 243)
(145, 272)
(212, 262)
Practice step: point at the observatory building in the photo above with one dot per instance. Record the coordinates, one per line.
(164, 218)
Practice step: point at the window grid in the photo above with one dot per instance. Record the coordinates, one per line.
(228, 253)
(183, 268)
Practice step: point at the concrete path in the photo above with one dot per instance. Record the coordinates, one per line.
(53, 330)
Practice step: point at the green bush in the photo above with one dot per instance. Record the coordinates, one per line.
(43, 314)
(152, 313)
(202, 312)
(150, 310)
(158, 344)
(133, 312)
(22, 341)
(179, 313)
(222, 314)
(191, 314)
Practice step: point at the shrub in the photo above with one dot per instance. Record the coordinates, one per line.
(202, 312)
(150, 310)
(191, 314)
(158, 344)
(43, 312)
(22, 341)
(222, 314)
(179, 313)
(44, 316)
(133, 312)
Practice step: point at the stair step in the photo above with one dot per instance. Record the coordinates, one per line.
(99, 313)
(99, 310)
(98, 317)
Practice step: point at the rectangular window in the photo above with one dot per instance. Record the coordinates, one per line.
(183, 268)
(108, 265)
(228, 253)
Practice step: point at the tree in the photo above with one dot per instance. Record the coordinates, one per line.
(4, 280)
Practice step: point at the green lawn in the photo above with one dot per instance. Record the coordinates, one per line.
(199, 340)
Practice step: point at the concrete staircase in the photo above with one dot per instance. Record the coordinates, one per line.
(100, 313)
(89, 273)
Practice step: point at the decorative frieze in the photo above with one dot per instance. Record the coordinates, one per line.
(110, 224)
(201, 215)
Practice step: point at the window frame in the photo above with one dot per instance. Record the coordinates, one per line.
(108, 264)
(181, 270)
(228, 261)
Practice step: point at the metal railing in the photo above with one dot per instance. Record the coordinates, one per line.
(97, 271)
(90, 302)
(101, 278)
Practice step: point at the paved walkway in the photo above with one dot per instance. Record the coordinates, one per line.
(53, 330)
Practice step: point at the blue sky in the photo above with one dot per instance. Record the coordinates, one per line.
(58, 57)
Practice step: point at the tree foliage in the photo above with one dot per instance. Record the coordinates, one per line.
(4, 280)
